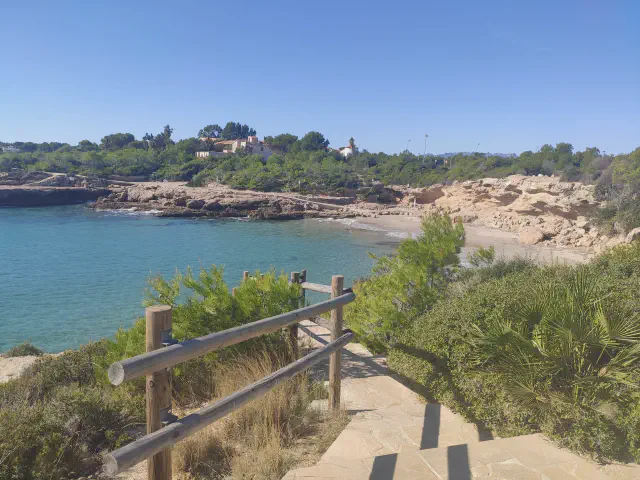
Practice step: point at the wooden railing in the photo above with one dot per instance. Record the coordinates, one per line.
(163, 430)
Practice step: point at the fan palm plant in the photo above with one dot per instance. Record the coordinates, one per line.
(567, 344)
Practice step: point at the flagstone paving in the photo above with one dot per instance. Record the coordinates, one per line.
(393, 434)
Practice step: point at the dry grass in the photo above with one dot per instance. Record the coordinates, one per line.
(267, 437)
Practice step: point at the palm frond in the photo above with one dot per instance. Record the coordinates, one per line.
(619, 328)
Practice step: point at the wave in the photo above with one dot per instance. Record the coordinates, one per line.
(353, 223)
(128, 211)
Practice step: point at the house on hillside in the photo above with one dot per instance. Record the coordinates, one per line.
(346, 151)
(349, 150)
(249, 145)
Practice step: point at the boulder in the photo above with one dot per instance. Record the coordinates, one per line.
(195, 204)
(181, 202)
(386, 196)
(57, 181)
(633, 235)
(296, 207)
(140, 194)
(583, 222)
(531, 235)
(213, 206)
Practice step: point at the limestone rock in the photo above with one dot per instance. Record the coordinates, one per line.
(213, 206)
(140, 194)
(633, 235)
(195, 204)
(531, 235)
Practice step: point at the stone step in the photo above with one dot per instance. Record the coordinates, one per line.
(393, 434)
(528, 457)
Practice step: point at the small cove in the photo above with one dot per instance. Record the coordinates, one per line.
(69, 274)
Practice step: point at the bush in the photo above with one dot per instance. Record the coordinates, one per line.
(406, 284)
(23, 350)
(257, 441)
(57, 418)
(551, 349)
(62, 413)
(468, 277)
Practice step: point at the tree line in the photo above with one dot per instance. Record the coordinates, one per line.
(307, 164)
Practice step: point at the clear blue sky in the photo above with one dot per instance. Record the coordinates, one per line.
(510, 75)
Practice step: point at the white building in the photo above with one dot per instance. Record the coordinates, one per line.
(346, 151)
(250, 144)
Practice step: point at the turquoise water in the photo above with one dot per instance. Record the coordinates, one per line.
(70, 274)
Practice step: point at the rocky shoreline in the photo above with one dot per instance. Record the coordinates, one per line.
(539, 210)
(41, 189)
(172, 199)
(32, 196)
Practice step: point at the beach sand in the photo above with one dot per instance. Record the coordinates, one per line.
(505, 243)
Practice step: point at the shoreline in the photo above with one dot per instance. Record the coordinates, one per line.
(506, 243)
(552, 234)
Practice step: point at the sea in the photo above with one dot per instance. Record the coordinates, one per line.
(69, 274)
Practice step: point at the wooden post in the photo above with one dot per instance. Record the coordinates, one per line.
(337, 284)
(135, 452)
(245, 275)
(293, 329)
(233, 292)
(303, 278)
(158, 388)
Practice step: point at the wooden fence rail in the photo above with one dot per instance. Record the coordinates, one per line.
(149, 445)
(316, 287)
(150, 362)
(157, 361)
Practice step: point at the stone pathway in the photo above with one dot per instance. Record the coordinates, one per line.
(393, 434)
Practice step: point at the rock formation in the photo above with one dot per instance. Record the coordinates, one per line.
(35, 189)
(177, 200)
(539, 209)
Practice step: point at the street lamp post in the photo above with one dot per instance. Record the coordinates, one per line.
(425, 148)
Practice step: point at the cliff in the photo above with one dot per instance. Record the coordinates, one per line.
(38, 196)
(542, 210)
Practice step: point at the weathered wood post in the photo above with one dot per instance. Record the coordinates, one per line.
(245, 275)
(337, 284)
(158, 330)
(303, 278)
(233, 292)
(293, 329)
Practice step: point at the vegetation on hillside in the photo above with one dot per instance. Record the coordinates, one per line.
(516, 347)
(307, 164)
(407, 284)
(62, 414)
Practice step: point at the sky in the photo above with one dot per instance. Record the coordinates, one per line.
(491, 76)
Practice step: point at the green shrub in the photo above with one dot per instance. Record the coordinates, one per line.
(23, 350)
(406, 284)
(551, 349)
(433, 355)
(468, 277)
(58, 418)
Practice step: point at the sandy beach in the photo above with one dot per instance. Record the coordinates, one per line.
(506, 243)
